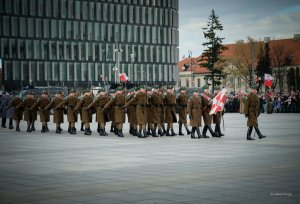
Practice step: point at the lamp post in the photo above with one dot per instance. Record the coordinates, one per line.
(131, 67)
(192, 71)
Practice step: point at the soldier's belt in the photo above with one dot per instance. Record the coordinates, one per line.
(142, 105)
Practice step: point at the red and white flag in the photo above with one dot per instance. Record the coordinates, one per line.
(218, 102)
(123, 77)
(268, 80)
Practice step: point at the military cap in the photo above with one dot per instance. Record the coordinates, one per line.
(149, 89)
(217, 88)
(58, 92)
(205, 87)
(253, 87)
(45, 92)
(120, 88)
(86, 90)
(72, 91)
(136, 88)
(182, 88)
(170, 87)
(155, 87)
(142, 87)
(195, 90)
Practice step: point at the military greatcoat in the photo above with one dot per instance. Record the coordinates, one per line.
(195, 111)
(182, 102)
(170, 112)
(252, 109)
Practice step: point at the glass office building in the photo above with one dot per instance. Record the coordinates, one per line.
(75, 42)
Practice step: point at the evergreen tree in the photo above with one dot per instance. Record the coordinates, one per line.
(297, 79)
(211, 55)
(291, 79)
(264, 62)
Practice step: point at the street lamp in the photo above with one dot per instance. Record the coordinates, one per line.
(117, 67)
(192, 72)
(131, 67)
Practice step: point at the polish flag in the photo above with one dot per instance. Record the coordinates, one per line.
(268, 80)
(218, 102)
(123, 77)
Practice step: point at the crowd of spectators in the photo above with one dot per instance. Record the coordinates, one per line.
(269, 103)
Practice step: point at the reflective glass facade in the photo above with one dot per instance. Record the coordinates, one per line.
(73, 42)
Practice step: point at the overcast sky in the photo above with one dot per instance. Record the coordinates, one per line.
(240, 18)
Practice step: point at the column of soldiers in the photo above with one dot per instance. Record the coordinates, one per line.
(146, 109)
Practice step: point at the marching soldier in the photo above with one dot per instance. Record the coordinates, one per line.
(86, 113)
(170, 112)
(252, 112)
(206, 106)
(131, 113)
(161, 111)
(101, 116)
(217, 117)
(156, 111)
(30, 114)
(41, 104)
(195, 112)
(141, 111)
(17, 111)
(58, 115)
(116, 103)
(182, 102)
(71, 102)
(112, 114)
(150, 128)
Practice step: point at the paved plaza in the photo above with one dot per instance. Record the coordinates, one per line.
(55, 169)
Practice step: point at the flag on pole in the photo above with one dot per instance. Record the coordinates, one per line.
(218, 102)
(268, 80)
(123, 77)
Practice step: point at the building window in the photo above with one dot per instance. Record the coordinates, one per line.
(54, 29)
(92, 11)
(46, 25)
(40, 7)
(38, 28)
(77, 10)
(32, 7)
(55, 8)
(69, 31)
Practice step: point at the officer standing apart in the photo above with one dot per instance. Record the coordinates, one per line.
(252, 112)
(195, 112)
(182, 102)
(206, 107)
(116, 103)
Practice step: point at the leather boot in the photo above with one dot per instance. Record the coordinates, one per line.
(87, 131)
(172, 132)
(130, 130)
(204, 131)
(168, 133)
(120, 133)
(18, 128)
(199, 133)
(193, 133)
(145, 134)
(140, 134)
(135, 132)
(3, 123)
(43, 129)
(82, 129)
(47, 129)
(249, 133)
(58, 131)
(69, 130)
(28, 128)
(164, 130)
(154, 133)
(180, 130)
(32, 127)
(260, 136)
(187, 129)
(104, 133)
(98, 128)
(160, 132)
(11, 124)
(101, 132)
(111, 128)
(219, 130)
(213, 134)
(73, 131)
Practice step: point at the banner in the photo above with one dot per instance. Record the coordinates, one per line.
(268, 80)
(218, 102)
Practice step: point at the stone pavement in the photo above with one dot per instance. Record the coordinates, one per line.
(55, 169)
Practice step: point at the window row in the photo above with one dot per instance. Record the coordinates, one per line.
(82, 10)
(75, 30)
(89, 72)
(105, 52)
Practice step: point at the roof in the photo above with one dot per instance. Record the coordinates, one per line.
(292, 45)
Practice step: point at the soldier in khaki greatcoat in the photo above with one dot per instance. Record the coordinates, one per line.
(83, 103)
(182, 102)
(116, 103)
(161, 110)
(206, 107)
(101, 117)
(155, 110)
(71, 102)
(170, 112)
(30, 114)
(58, 115)
(141, 111)
(194, 109)
(252, 112)
(217, 117)
(41, 104)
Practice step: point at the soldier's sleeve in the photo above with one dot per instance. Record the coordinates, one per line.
(111, 101)
(79, 104)
(131, 101)
(189, 107)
